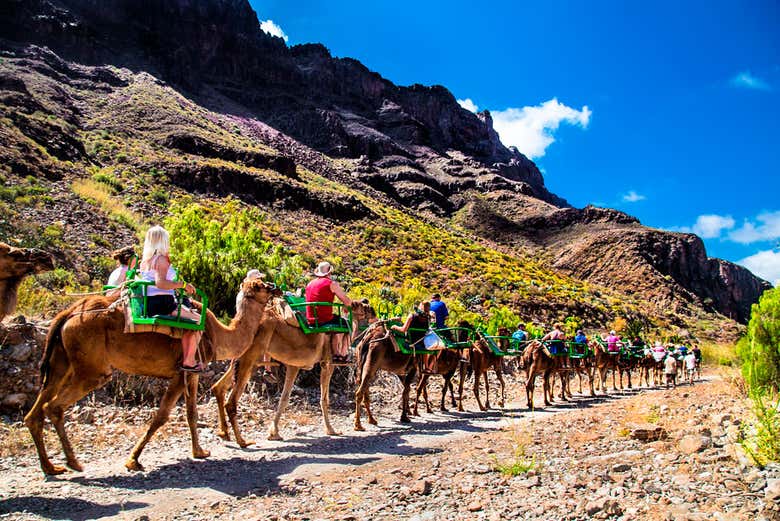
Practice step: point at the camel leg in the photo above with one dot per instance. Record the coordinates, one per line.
(452, 389)
(462, 371)
(591, 377)
(547, 387)
(219, 389)
(421, 389)
(191, 399)
(487, 389)
(289, 378)
(476, 390)
(169, 399)
(407, 380)
(530, 381)
(34, 419)
(242, 378)
(72, 390)
(445, 386)
(326, 373)
(428, 408)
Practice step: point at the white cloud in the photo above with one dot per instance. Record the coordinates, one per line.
(271, 28)
(767, 229)
(746, 80)
(531, 129)
(765, 264)
(633, 197)
(468, 105)
(709, 226)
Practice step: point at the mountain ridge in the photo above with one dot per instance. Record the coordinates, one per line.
(286, 108)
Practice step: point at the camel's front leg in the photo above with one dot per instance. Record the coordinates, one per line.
(289, 378)
(487, 389)
(477, 379)
(192, 416)
(169, 399)
(325, 375)
(461, 379)
(219, 389)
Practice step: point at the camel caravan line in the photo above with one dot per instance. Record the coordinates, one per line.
(123, 328)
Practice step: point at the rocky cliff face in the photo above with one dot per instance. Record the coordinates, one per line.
(336, 106)
(273, 108)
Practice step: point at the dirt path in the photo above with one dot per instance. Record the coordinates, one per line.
(173, 482)
(174, 486)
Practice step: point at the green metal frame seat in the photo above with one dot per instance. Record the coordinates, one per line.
(603, 344)
(299, 305)
(448, 335)
(578, 350)
(138, 295)
(403, 341)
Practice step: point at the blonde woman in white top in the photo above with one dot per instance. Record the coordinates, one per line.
(156, 267)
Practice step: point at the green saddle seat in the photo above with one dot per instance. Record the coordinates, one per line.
(299, 305)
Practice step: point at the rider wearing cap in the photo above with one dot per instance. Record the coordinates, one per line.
(323, 289)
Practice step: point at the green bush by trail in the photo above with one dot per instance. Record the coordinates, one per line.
(213, 246)
(759, 351)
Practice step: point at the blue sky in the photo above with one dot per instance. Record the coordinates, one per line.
(669, 111)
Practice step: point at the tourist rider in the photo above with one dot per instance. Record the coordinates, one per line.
(156, 267)
(670, 370)
(690, 366)
(440, 313)
(581, 340)
(556, 338)
(519, 336)
(613, 342)
(125, 259)
(323, 289)
(416, 325)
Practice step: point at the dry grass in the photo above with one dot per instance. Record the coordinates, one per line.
(518, 462)
(719, 354)
(98, 194)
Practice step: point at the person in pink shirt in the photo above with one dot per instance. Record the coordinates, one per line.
(613, 342)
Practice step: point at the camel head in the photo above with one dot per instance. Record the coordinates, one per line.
(363, 312)
(258, 291)
(19, 262)
(15, 264)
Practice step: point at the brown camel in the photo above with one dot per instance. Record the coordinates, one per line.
(481, 358)
(295, 349)
(537, 362)
(376, 351)
(447, 362)
(616, 363)
(15, 264)
(86, 342)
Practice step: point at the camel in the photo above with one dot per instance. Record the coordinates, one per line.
(616, 363)
(376, 351)
(15, 264)
(295, 349)
(537, 362)
(447, 362)
(86, 342)
(480, 359)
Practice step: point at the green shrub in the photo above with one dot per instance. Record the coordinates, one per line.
(760, 351)
(214, 245)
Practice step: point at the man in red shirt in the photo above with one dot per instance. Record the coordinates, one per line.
(323, 289)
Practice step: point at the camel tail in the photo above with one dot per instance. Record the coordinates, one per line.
(53, 341)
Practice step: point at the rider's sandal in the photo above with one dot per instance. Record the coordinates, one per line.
(197, 368)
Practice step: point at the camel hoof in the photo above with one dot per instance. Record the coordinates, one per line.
(405, 419)
(443, 409)
(54, 470)
(75, 465)
(134, 465)
(373, 421)
(201, 454)
(223, 435)
(274, 437)
(359, 427)
(244, 443)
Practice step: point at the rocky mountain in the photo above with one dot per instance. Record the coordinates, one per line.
(192, 96)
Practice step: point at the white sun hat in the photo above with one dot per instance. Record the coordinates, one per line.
(323, 269)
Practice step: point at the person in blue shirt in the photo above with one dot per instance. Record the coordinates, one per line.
(439, 310)
(580, 338)
(520, 335)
